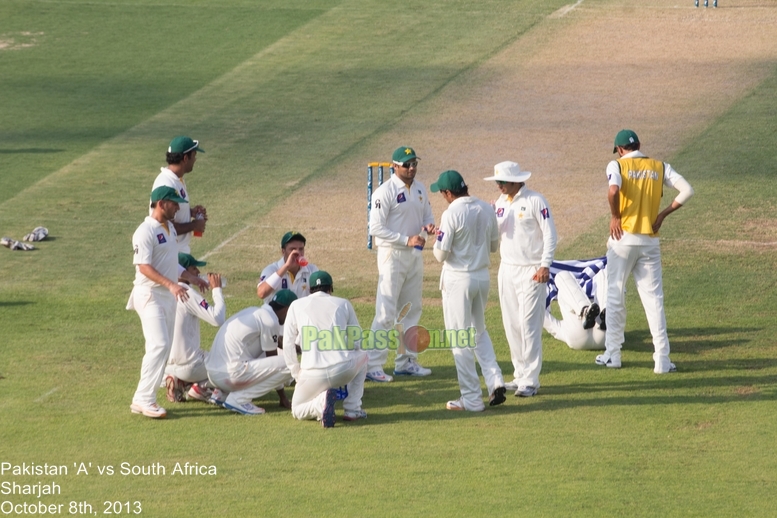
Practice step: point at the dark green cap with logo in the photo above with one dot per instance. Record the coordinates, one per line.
(448, 181)
(166, 193)
(625, 138)
(292, 235)
(184, 145)
(187, 260)
(284, 298)
(403, 154)
(320, 278)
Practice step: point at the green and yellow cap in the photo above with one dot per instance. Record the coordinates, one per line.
(449, 180)
(166, 193)
(184, 145)
(624, 138)
(403, 154)
(187, 260)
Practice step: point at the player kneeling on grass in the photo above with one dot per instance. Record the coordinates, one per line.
(186, 365)
(238, 363)
(467, 233)
(323, 368)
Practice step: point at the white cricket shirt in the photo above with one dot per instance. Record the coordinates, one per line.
(299, 284)
(526, 229)
(398, 212)
(242, 338)
(467, 229)
(186, 338)
(156, 246)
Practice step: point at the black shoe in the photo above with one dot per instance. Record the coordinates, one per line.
(602, 320)
(590, 315)
(498, 397)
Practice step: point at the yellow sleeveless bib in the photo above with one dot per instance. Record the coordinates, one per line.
(640, 196)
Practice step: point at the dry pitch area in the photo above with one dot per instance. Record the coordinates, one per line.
(552, 101)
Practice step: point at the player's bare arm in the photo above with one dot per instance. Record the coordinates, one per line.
(663, 214)
(614, 198)
(178, 291)
(416, 241)
(194, 280)
(264, 289)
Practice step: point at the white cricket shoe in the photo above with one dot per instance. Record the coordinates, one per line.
(458, 405)
(412, 368)
(379, 376)
(243, 408)
(153, 410)
(512, 386)
(354, 415)
(526, 391)
(612, 361)
(217, 397)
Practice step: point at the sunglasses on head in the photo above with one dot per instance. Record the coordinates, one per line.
(408, 165)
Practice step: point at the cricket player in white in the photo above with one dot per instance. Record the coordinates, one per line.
(239, 362)
(636, 185)
(154, 295)
(287, 272)
(467, 235)
(577, 327)
(400, 216)
(323, 367)
(186, 364)
(528, 242)
(181, 155)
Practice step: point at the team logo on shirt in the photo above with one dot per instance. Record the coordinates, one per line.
(183, 193)
(545, 213)
(161, 238)
(401, 198)
(500, 212)
(284, 284)
(204, 304)
(440, 235)
(275, 338)
(136, 249)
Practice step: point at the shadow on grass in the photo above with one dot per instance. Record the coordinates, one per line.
(692, 340)
(8, 303)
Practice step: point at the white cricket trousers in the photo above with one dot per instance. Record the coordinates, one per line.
(156, 309)
(192, 372)
(644, 261)
(255, 379)
(464, 298)
(523, 310)
(309, 396)
(400, 280)
(571, 300)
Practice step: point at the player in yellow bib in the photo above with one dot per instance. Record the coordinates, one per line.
(636, 185)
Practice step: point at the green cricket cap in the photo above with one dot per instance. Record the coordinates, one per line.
(625, 138)
(187, 260)
(403, 154)
(320, 278)
(449, 180)
(166, 193)
(284, 298)
(184, 145)
(292, 235)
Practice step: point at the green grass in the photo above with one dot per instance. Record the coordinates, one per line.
(278, 91)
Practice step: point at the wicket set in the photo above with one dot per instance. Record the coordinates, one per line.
(381, 166)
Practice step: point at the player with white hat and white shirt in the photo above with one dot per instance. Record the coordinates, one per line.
(400, 215)
(154, 294)
(186, 364)
(181, 155)
(528, 242)
(467, 235)
(323, 367)
(239, 363)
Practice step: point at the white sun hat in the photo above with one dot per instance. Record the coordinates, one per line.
(509, 172)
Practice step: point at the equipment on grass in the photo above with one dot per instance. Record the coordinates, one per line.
(370, 169)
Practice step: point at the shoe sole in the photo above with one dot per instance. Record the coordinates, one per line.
(590, 317)
(518, 393)
(401, 373)
(498, 397)
(142, 411)
(351, 419)
(387, 380)
(449, 406)
(328, 419)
